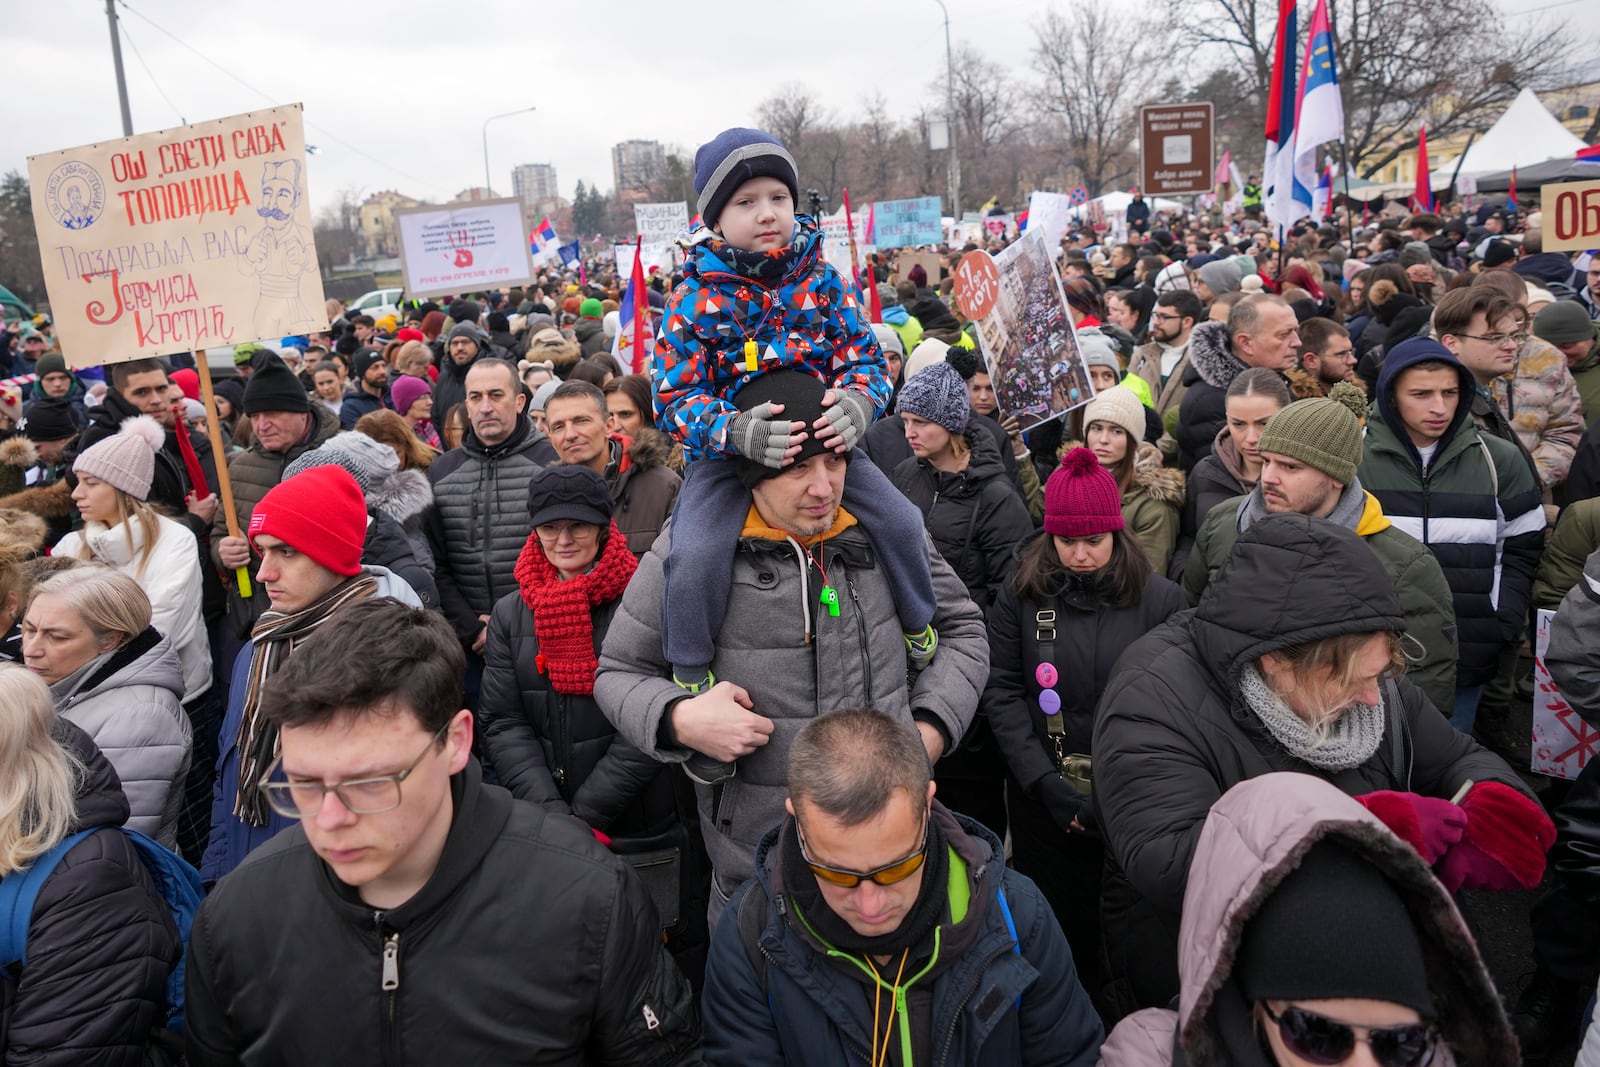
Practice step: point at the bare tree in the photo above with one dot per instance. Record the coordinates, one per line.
(1453, 63)
(1097, 65)
(790, 115)
(989, 118)
(336, 230)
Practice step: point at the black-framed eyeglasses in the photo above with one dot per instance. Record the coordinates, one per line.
(1496, 339)
(1167, 318)
(888, 874)
(362, 796)
(1319, 1039)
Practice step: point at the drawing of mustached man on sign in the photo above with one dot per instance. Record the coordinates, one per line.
(281, 255)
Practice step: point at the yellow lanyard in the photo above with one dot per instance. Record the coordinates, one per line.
(878, 1060)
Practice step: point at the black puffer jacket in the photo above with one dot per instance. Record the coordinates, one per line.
(559, 750)
(975, 517)
(1172, 733)
(479, 521)
(1204, 411)
(388, 546)
(528, 940)
(100, 944)
(1090, 637)
(885, 444)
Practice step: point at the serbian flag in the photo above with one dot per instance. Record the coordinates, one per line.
(694, 221)
(543, 243)
(1022, 221)
(1511, 197)
(632, 346)
(1590, 154)
(1319, 117)
(1285, 200)
(1322, 198)
(1422, 197)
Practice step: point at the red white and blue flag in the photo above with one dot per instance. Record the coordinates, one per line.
(635, 341)
(1322, 198)
(1319, 117)
(1284, 200)
(543, 243)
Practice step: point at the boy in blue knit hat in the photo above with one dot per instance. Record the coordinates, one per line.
(758, 297)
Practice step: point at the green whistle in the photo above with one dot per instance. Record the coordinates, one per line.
(830, 600)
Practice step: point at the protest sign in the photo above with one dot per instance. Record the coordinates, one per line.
(977, 284)
(463, 247)
(1050, 213)
(900, 223)
(659, 224)
(836, 241)
(653, 257)
(1027, 336)
(1562, 741)
(178, 240)
(1571, 216)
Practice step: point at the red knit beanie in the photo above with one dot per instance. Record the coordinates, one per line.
(1081, 498)
(319, 512)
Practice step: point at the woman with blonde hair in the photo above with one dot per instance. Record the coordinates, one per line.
(87, 634)
(100, 940)
(122, 530)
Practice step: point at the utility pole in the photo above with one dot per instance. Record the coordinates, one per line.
(950, 116)
(487, 191)
(116, 61)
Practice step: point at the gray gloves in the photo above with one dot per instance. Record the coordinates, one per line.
(758, 436)
(849, 416)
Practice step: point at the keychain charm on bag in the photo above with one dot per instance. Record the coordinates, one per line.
(1076, 769)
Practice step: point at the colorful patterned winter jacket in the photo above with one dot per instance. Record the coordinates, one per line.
(790, 302)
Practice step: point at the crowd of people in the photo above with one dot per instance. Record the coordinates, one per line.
(790, 702)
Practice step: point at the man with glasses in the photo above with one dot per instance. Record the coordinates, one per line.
(1326, 358)
(1163, 361)
(883, 928)
(1524, 385)
(416, 914)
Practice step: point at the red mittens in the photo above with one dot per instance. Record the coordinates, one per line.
(1505, 844)
(1429, 825)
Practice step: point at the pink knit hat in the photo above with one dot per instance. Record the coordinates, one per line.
(126, 459)
(1081, 498)
(405, 391)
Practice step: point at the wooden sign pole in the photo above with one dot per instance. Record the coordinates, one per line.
(220, 454)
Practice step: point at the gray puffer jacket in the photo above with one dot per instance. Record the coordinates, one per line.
(130, 702)
(797, 662)
(479, 521)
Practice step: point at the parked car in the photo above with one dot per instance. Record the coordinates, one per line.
(377, 303)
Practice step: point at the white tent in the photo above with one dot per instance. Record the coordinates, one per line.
(1526, 134)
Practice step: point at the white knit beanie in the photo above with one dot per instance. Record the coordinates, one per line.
(126, 459)
(1119, 405)
(931, 350)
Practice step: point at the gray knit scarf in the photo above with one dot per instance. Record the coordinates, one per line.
(1352, 740)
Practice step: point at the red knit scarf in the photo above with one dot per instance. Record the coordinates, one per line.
(561, 608)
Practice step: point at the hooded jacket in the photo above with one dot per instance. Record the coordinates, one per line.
(975, 517)
(1212, 368)
(169, 579)
(100, 941)
(479, 520)
(643, 487)
(1541, 401)
(904, 324)
(885, 444)
(405, 497)
(796, 660)
(806, 319)
(528, 939)
(1000, 986)
(1476, 507)
(1414, 574)
(1172, 733)
(387, 546)
(1151, 506)
(129, 702)
(1251, 839)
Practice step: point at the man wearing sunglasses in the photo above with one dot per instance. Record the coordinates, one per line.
(415, 914)
(882, 928)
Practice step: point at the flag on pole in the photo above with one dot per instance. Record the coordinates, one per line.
(1511, 197)
(1322, 198)
(633, 344)
(850, 231)
(694, 221)
(1319, 118)
(1277, 169)
(570, 254)
(1422, 197)
(1223, 176)
(1022, 221)
(543, 243)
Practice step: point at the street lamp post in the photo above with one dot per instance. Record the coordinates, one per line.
(488, 186)
(950, 115)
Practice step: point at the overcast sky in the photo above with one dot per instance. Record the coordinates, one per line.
(396, 93)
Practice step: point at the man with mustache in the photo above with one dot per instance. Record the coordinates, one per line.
(281, 255)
